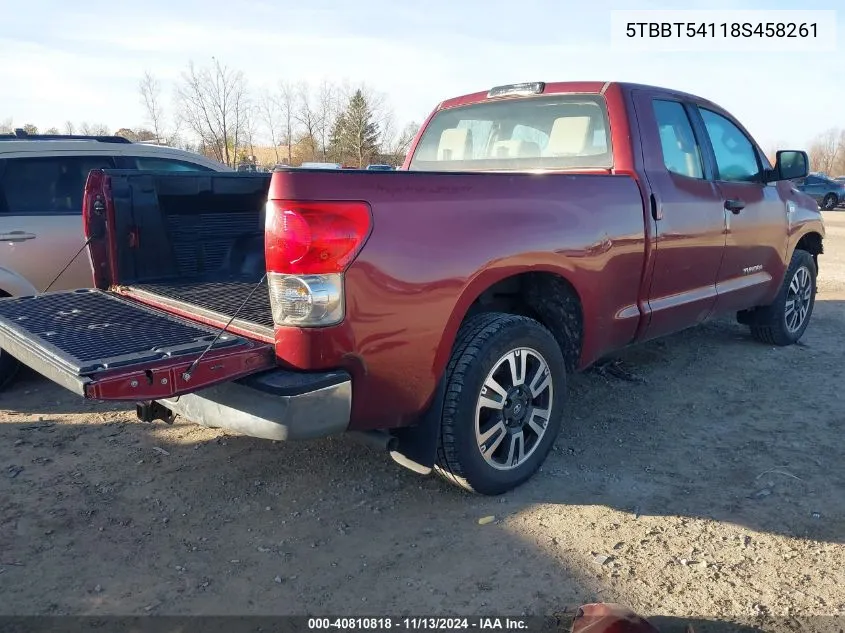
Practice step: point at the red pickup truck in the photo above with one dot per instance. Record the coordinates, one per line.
(533, 230)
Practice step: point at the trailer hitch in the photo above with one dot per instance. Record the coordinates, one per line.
(150, 411)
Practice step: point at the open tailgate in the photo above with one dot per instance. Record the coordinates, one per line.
(106, 347)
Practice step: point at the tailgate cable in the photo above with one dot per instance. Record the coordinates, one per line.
(186, 376)
(72, 259)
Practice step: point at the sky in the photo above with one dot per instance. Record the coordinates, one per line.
(81, 61)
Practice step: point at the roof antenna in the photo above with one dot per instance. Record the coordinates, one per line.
(186, 376)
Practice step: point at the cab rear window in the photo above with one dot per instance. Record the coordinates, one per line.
(554, 132)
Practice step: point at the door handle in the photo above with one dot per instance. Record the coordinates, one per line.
(734, 206)
(656, 211)
(16, 236)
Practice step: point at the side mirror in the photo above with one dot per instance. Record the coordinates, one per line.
(789, 165)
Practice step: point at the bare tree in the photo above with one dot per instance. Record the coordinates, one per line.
(838, 166)
(69, 127)
(150, 90)
(402, 143)
(824, 151)
(287, 104)
(94, 129)
(52, 130)
(269, 112)
(308, 118)
(395, 141)
(214, 105)
(250, 128)
(6, 126)
(327, 105)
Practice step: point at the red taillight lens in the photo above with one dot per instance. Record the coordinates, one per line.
(97, 223)
(314, 238)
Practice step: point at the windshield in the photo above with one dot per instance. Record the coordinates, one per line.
(557, 132)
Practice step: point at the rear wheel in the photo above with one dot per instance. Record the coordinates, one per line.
(785, 320)
(505, 392)
(829, 202)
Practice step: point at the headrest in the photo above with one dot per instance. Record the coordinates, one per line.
(568, 136)
(455, 144)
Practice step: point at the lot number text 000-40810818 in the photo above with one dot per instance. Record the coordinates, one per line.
(406, 623)
(724, 31)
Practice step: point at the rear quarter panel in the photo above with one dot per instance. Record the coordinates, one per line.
(438, 241)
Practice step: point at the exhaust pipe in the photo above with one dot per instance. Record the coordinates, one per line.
(380, 440)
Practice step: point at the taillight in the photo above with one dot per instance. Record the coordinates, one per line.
(308, 246)
(97, 217)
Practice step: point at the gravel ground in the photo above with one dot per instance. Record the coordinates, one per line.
(709, 489)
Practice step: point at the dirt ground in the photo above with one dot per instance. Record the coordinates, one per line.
(713, 490)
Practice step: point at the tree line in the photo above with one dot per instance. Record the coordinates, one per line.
(827, 152)
(214, 111)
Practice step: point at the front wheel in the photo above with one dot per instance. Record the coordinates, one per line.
(785, 320)
(505, 392)
(829, 202)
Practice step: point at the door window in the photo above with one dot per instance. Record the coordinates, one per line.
(681, 153)
(736, 156)
(47, 185)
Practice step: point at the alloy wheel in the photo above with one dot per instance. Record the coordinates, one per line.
(514, 408)
(798, 299)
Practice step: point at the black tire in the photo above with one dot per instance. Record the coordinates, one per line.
(482, 343)
(9, 367)
(770, 323)
(829, 202)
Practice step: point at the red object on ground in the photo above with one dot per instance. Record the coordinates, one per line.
(604, 617)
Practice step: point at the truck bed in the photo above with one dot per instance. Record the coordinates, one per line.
(91, 330)
(105, 346)
(194, 244)
(219, 298)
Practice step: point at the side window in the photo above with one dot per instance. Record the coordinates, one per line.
(147, 163)
(50, 185)
(736, 156)
(681, 153)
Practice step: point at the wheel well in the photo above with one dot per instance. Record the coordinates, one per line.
(812, 243)
(546, 297)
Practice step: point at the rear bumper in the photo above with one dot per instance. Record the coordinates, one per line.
(274, 405)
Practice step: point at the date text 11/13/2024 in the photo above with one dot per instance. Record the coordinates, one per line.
(418, 623)
(788, 30)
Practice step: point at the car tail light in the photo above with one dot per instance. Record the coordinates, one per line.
(308, 246)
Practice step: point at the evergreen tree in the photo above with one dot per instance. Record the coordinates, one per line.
(355, 135)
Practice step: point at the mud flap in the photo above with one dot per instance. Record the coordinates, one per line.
(416, 447)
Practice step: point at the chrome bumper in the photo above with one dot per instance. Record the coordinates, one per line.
(276, 405)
